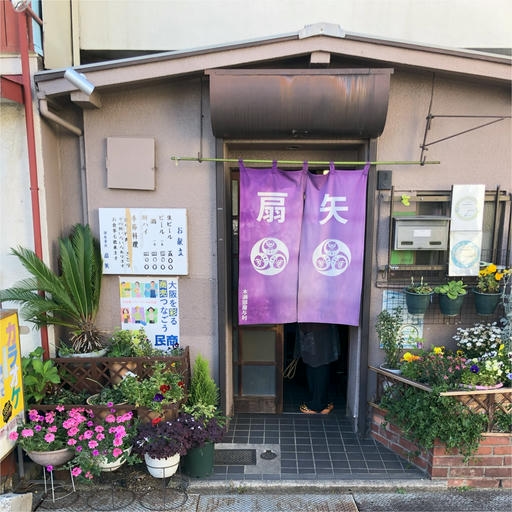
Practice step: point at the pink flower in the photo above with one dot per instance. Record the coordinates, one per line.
(71, 442)
(13, 436)
(88, 434)
(52, 429)
(99, 428)
(76, 471)
(118, 441)
(49, 438)
(33, 415)
(27, 432)
(110, 418)
(38, 428)
(60, 408)
(49, 417)
(100, 437)
(95, 453)
(92, 444)
(73, 431)
(49, 469)
(89, 475)
(116, 452)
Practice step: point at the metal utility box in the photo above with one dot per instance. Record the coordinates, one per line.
(421, 233)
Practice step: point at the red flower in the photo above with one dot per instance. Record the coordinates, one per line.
(164, 388)
(156, 421)
(181, 384)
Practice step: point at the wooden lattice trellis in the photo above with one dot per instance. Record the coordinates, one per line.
(93, 373)
(479, 401)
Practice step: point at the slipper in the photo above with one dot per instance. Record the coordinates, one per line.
(328, 409)
(306, 410)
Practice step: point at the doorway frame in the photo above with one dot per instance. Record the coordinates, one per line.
(357, 407)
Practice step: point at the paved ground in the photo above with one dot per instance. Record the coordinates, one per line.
(293, 496)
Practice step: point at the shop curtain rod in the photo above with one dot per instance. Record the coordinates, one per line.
(177, 159)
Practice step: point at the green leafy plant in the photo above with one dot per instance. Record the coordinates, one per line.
(420, 288)
(424, 417)
(452, 289)
(389, 332)
(164, 386)
(108, 395)
(69, 299)
(131, 343)
(39, 377)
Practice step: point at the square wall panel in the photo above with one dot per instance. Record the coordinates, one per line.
(130, 163)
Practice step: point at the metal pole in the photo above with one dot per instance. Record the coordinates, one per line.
(177, 159)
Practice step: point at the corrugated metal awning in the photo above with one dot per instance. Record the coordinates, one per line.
(262, 103)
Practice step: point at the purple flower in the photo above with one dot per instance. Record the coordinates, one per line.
(158, 397)
(49, 469)
(474, 368)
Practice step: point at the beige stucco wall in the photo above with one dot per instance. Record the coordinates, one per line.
(482, 156)
(169, 113)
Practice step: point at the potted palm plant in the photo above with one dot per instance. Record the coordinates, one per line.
(451, 296)
(69, 299)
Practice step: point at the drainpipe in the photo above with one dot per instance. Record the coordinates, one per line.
(23, 33)
(46, 112)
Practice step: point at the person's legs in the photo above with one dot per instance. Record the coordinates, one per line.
(318, 381)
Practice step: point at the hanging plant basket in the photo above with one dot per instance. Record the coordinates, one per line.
(417, 303)
(485, 303)
(450, 307)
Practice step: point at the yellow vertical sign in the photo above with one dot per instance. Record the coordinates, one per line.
(11, 389)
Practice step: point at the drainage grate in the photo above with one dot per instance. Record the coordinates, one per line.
(235, 457)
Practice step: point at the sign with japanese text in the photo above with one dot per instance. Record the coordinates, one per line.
(301, 245)
(149, 241)
(11, 388)
(332, 247)
(271, 202)
(151, 303)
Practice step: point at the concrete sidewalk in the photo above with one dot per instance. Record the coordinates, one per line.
(292, 496)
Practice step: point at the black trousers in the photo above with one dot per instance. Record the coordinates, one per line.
(318, 383)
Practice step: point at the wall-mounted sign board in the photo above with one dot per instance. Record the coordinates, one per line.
(11, 388)
(144, 241)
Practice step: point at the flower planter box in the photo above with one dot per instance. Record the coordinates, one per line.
(94, 373)
(490, 467)
(479, 401)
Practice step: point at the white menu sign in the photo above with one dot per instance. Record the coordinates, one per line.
(144, 241)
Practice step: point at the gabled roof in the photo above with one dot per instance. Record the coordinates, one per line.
(320, 39)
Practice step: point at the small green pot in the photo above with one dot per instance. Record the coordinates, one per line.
(485, 303)
(198, 462)
(450, 307)
(417, 303)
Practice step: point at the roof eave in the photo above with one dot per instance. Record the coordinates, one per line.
(136, 70)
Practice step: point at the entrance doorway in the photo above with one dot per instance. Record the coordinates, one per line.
(256, 356)
(295, 383)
